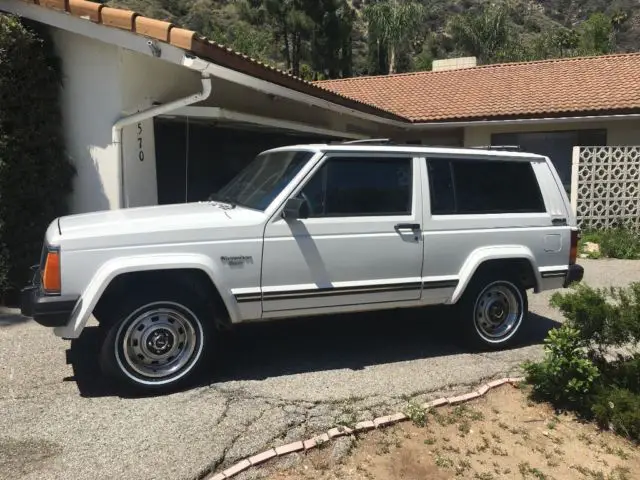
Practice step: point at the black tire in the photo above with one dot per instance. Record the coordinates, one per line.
(481, 316)
(157, 340)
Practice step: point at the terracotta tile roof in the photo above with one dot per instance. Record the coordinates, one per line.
(203, 48)
(585, 85)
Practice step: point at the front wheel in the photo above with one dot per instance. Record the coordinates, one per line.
(493, 311)
(156, 342)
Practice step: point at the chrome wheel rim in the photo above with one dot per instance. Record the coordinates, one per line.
(159, 343)
(498, 311)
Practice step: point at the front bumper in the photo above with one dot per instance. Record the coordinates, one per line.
(47, 310)
(575, 274)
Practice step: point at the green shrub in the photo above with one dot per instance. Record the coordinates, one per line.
(35, 174)
(618, 242)
(621, 243)
(619, 409)
(576, 371)
(607, 317)
(624, 372)
(566, 376)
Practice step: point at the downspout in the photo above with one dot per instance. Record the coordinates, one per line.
(116, 131)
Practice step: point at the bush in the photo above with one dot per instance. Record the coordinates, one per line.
(577, 371)
(618, 242)
(566, 376)
(35, 174)
(606, 317)
(618, 409)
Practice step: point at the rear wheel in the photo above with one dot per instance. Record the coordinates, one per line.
(494, 309)
(157, 341)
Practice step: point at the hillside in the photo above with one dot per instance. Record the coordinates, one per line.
(319, 39)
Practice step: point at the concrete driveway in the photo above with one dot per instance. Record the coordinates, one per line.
(273, 384)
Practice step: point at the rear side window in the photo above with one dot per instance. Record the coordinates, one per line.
(461, 186)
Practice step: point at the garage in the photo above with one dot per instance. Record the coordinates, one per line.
(195, 157)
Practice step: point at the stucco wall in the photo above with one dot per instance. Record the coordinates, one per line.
(619, 132)
(145, 81)
(103, 83)
(91, 103)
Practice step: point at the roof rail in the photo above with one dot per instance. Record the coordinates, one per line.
(500, 148)
(366, 140)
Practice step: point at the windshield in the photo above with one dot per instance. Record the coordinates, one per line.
(260, 182)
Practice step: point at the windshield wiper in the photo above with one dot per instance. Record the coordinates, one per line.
(215, 197)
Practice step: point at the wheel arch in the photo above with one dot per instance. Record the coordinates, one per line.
(116, 274)
(518, 260)
(191, 279)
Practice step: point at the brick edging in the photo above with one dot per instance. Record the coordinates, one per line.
(336, 432)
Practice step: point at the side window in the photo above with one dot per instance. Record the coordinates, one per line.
(481, 187)
(443, 197)
(355, 186)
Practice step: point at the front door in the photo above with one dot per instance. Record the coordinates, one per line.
(360, 243)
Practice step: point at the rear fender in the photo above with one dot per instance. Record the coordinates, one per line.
(498, 252)
(117, 266)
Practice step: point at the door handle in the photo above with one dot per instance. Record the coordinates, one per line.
(407, 226)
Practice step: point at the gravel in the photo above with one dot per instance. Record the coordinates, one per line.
(63, 421)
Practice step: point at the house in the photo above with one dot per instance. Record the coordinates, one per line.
(546, 107)
(156, 114)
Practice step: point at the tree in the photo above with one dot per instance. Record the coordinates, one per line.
(288, 21)
(331, 37)
(597, 35)
(394, 23)
(35, 172)
(485, 35)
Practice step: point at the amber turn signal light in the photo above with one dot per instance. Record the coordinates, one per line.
(51, 274)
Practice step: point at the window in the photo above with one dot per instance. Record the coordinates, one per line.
(482, 187)
(558, 146)
(260, 182)
(359, 187)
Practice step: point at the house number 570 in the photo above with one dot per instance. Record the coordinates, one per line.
(140, 150)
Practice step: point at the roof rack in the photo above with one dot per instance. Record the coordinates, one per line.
(366, 140)
(500, 148)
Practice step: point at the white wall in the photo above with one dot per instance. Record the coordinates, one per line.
(144, 81)
(103, 83)
(91, 103)
(619, 132)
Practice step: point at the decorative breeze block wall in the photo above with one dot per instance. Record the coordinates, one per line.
(605, 186)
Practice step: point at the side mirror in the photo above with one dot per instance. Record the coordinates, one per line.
(295, 208)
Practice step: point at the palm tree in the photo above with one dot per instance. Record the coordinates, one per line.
(485, 35)
(394, 23)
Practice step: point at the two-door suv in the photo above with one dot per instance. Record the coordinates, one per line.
(311, 230)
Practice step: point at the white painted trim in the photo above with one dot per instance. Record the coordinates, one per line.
(575, 165)
(221, 114)
(527, 121)
(269, 88)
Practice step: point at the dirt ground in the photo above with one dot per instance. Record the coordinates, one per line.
(500, 436)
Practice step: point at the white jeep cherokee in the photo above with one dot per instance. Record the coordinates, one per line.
(310, 230)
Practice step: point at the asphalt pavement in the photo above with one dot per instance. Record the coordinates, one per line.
(270, 384)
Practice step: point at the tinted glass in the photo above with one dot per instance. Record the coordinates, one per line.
(483, 187)
(359, 187)
(443, 201)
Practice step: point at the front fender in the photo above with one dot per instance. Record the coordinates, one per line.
(498, 252)
(117, 266)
